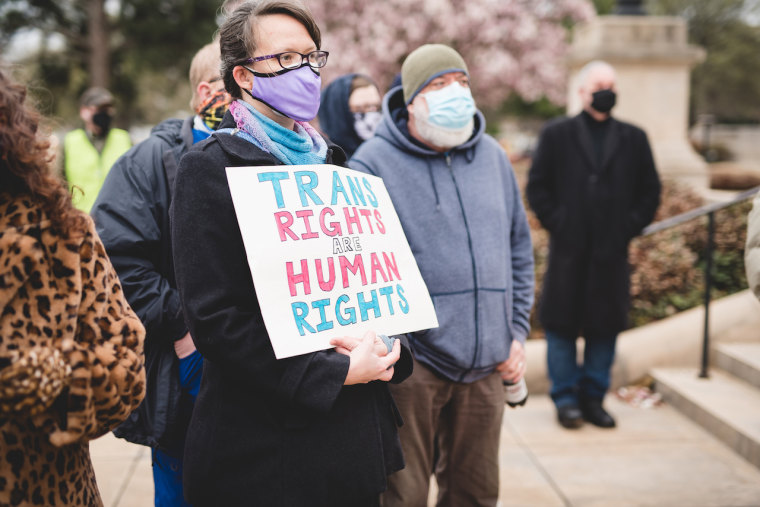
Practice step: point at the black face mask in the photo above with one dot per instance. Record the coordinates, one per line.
(102, 120)
(603, 100)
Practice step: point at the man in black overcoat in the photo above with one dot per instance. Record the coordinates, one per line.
(594, 186)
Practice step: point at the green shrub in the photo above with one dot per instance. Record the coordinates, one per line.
(664, 277)
(668, 267)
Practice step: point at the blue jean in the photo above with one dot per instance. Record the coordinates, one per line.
(167, 469)
(571, 381)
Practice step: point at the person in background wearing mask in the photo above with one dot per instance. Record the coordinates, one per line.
(89, 153)
(132, 217)
(458, 201)
(316, 429)
(350, 111)
(594, 186)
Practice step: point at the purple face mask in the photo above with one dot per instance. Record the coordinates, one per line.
(293, 93)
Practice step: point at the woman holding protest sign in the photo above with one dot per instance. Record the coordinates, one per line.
(313, 429)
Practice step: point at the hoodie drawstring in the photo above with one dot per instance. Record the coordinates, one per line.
(432, 182)
(469, 154)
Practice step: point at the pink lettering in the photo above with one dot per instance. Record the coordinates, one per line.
(391, 266)
(304, 215)
(331, 229)
(375, 267)
(356, 267)
(294, 279)
(352, 220)
(325, 285)
(284, 220)
(380, 225)
(366, 214)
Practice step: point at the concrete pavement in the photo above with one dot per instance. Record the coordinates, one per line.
(672, 342)
(655, 457)
(123, 472)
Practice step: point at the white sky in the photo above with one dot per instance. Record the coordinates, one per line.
(26, 43)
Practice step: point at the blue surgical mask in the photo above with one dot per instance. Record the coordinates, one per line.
(450, 107)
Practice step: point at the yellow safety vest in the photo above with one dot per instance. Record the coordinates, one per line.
(86, 168)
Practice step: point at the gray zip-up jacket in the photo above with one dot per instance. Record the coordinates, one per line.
(464, 219)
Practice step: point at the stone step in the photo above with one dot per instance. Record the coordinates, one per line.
(724, 405)
(739, 359)
(738, 333)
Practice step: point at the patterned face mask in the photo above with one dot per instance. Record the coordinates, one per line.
(365, 124)
(212, 110)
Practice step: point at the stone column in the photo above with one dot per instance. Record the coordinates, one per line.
(653, 60)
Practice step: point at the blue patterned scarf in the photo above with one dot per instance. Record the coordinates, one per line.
(300, 146)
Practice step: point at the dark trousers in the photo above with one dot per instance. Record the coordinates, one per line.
(572, 381)
(467, 421)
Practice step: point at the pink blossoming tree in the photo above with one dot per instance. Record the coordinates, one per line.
(509, 45)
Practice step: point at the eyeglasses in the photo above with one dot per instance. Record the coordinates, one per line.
(293, 60)
(365, 108)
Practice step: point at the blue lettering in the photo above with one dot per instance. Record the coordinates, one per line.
(338, 188)
(356, 191)
(300, 311)
(364, 306)
(275, 177)
(387, 291)
(372, 197)
(305, 189)
(403, 304)
(349, 311)
(320, 305)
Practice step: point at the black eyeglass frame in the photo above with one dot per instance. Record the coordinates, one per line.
(304, 58)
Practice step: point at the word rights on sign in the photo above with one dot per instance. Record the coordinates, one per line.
(328, 256)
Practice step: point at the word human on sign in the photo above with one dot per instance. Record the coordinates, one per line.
(356, 268)
(327, 254)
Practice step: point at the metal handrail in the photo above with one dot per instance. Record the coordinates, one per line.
(709, 210)
(697, 212)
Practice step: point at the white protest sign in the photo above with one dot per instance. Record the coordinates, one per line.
(328, 256)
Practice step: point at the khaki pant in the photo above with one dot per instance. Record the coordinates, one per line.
(467, 421)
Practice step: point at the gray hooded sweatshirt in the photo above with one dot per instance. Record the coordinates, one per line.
(465, 222)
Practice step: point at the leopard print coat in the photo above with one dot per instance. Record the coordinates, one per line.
(71, 357)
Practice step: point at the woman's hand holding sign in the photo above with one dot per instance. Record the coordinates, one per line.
(370, 358)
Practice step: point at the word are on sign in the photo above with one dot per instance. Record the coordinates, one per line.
(328, 256)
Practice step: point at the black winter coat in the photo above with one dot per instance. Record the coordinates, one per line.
(591, 213)
(132, 218)
(265, 431)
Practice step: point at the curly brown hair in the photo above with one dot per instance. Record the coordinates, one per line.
(26, 159)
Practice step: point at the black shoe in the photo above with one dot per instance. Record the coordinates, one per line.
(570, 416)
(594, 413)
